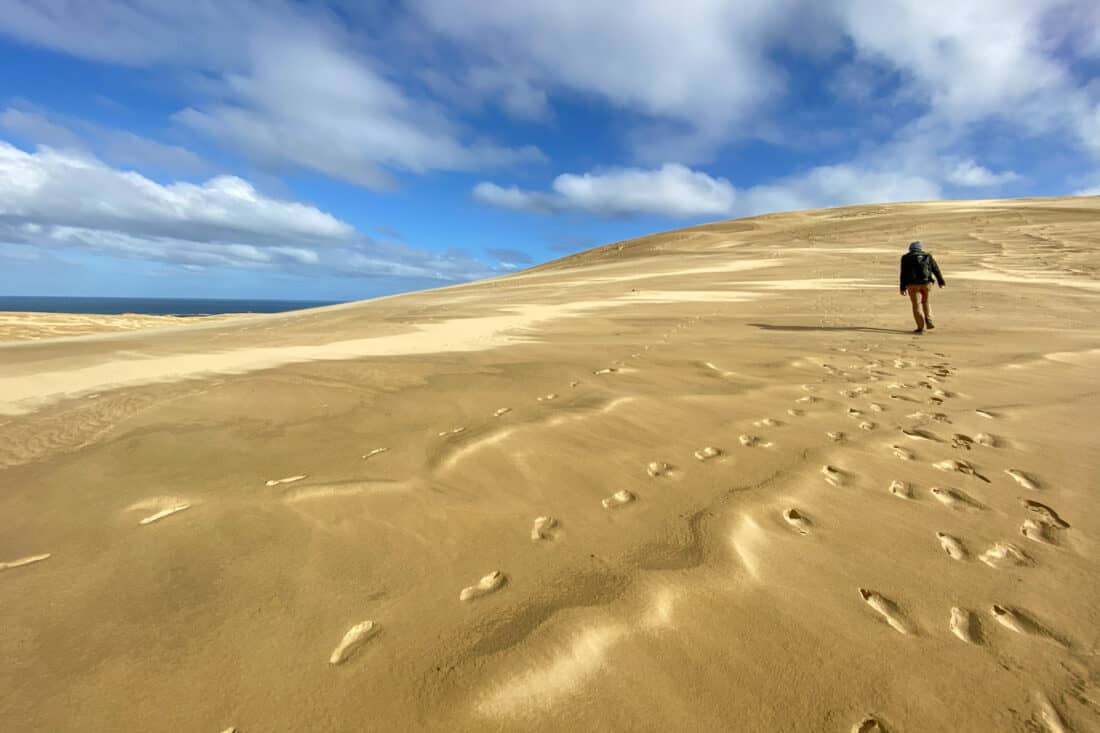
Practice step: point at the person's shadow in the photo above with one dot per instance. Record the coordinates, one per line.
(865, 329)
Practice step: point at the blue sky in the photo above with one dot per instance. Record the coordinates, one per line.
(342, 150)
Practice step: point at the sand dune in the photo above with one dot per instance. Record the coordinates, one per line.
(15, 326)
(703, 480)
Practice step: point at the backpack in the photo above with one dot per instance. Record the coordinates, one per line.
(918, 268)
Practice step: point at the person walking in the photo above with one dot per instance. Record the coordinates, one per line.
(918, 268)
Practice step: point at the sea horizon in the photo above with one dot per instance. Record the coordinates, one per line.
(186, 307)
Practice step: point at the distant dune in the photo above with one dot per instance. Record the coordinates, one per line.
(19, 326)
(702, 480)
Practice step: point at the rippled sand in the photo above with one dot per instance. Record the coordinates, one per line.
(704, 480)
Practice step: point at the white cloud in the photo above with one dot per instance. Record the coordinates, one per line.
(72, 200)
(141, 32)
(116, 146)
(309, 103)
(349, 93)
(691, 76)
(701, 65)
(513, 197)
(969, 173)
(34, 126)
(55, 188)
(293, 88)
(126, 148)
(838, 185)
(961, 58)
(676, 191)
(671, 190)
(699, 73)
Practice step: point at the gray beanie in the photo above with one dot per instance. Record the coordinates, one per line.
(916, 246)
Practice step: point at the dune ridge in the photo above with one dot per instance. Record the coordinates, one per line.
(702, 480)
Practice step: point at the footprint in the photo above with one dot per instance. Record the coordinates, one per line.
(165, 512)
(502, 411)
(962, 625)
(986, 414)
(1045, 513)
(922, 415)
(29, 560)
(952, 546)
(618, 499)
(352, 640)
(749, 441)
(606, 370)
(867, 425)
(1036, 531)
(541, 528)
(958, 466)
(918, 434)
(853, 412)
(1023, 479)
(989, 441)
(488, 584)
(833, 475)
(797, 520)
(287, 480)
(708, 452)
(1049, 715)
(961, 441)
(574, 383)
(901, 452)
(836, 436)
(869, 724)
(657, 468)
(1018, 621)
(375, 452)
(887, 609)
(876, 407)
(456, 431)
(767, 422)
(1003, 554)
(548, 397)
(793, 412)
(955, 499)
(900, 489)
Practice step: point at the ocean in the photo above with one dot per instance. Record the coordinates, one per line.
(152, 306)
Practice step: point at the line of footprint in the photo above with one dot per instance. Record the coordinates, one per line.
(164, 506)
(1040, 526)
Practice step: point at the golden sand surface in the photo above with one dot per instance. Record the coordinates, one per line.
(20, 326)
(706, 480)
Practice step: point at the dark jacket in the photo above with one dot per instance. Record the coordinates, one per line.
(918, 268)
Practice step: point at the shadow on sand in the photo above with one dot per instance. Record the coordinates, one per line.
(865, 329)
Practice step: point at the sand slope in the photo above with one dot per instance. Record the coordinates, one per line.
(19, 326)
(705, 480)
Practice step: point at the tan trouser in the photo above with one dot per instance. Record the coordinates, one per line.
(920, 291)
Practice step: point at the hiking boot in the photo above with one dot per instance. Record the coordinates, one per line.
(928, 324)
(918, 331)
